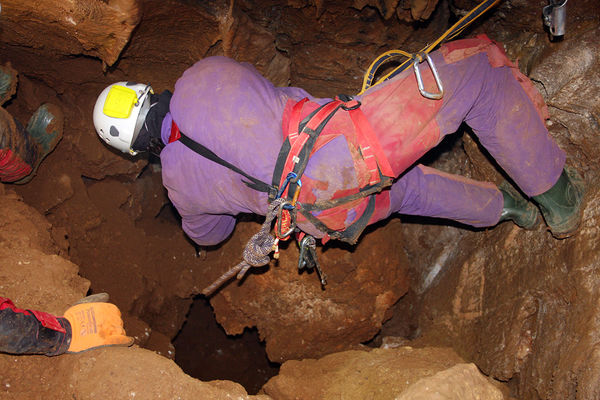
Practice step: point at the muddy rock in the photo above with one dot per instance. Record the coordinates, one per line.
(117, 373)
(295, 315)
(96, 377)
(31, 273)
(34, 278)
(462, 381)
(401, 373)
(91, 27)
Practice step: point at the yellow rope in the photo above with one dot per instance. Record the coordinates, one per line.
(451, 33)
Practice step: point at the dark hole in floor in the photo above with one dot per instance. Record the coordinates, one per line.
(204, 351)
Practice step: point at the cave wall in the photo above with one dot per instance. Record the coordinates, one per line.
(522, 304)
(36, 277)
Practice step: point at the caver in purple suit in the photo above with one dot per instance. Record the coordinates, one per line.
(231, 109)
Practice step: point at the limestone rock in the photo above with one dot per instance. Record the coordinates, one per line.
(460, 382)
(402, 373)
(297, 317)
(92, 27)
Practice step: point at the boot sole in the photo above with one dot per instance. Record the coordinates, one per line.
(55, 127)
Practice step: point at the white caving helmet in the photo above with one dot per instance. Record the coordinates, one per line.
(120, 112)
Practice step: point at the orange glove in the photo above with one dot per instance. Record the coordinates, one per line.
(96, 324)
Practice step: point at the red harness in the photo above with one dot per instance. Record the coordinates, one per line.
(302, 137)
(369, 146)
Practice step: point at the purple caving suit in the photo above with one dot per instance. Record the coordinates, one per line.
(231, 109)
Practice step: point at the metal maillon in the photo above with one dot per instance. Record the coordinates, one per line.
(555, 17)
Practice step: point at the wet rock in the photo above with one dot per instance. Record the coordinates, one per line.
(569, 79)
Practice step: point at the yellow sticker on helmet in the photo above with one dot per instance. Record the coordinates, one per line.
(119, 101)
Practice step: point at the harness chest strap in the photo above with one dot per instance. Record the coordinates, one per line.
(295, 119)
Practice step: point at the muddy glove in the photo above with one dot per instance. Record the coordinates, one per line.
(95, 324)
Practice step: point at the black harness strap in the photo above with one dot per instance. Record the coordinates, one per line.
(364, 192)
(352, 232)
(252, 182)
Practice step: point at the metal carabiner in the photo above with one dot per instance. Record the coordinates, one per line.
(308, 258)
(438, 82)
(305, 259)
(292, 210)
(302, 256)
(289, 177)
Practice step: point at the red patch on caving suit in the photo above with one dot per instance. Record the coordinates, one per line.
(403, 120)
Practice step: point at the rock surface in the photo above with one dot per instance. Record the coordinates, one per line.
(35, 278)
(297, 317)
(400, 373)
(522, 304)
(91, 27)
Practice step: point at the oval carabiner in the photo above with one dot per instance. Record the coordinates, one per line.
(278, 225)
(438, 82)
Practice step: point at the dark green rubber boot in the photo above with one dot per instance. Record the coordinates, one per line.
(8, 82)
(562, 204)
(45, 129)
(518, 209)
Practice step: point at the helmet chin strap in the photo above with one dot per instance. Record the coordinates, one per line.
(147, 89)
(138, 140)
(142, 140)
